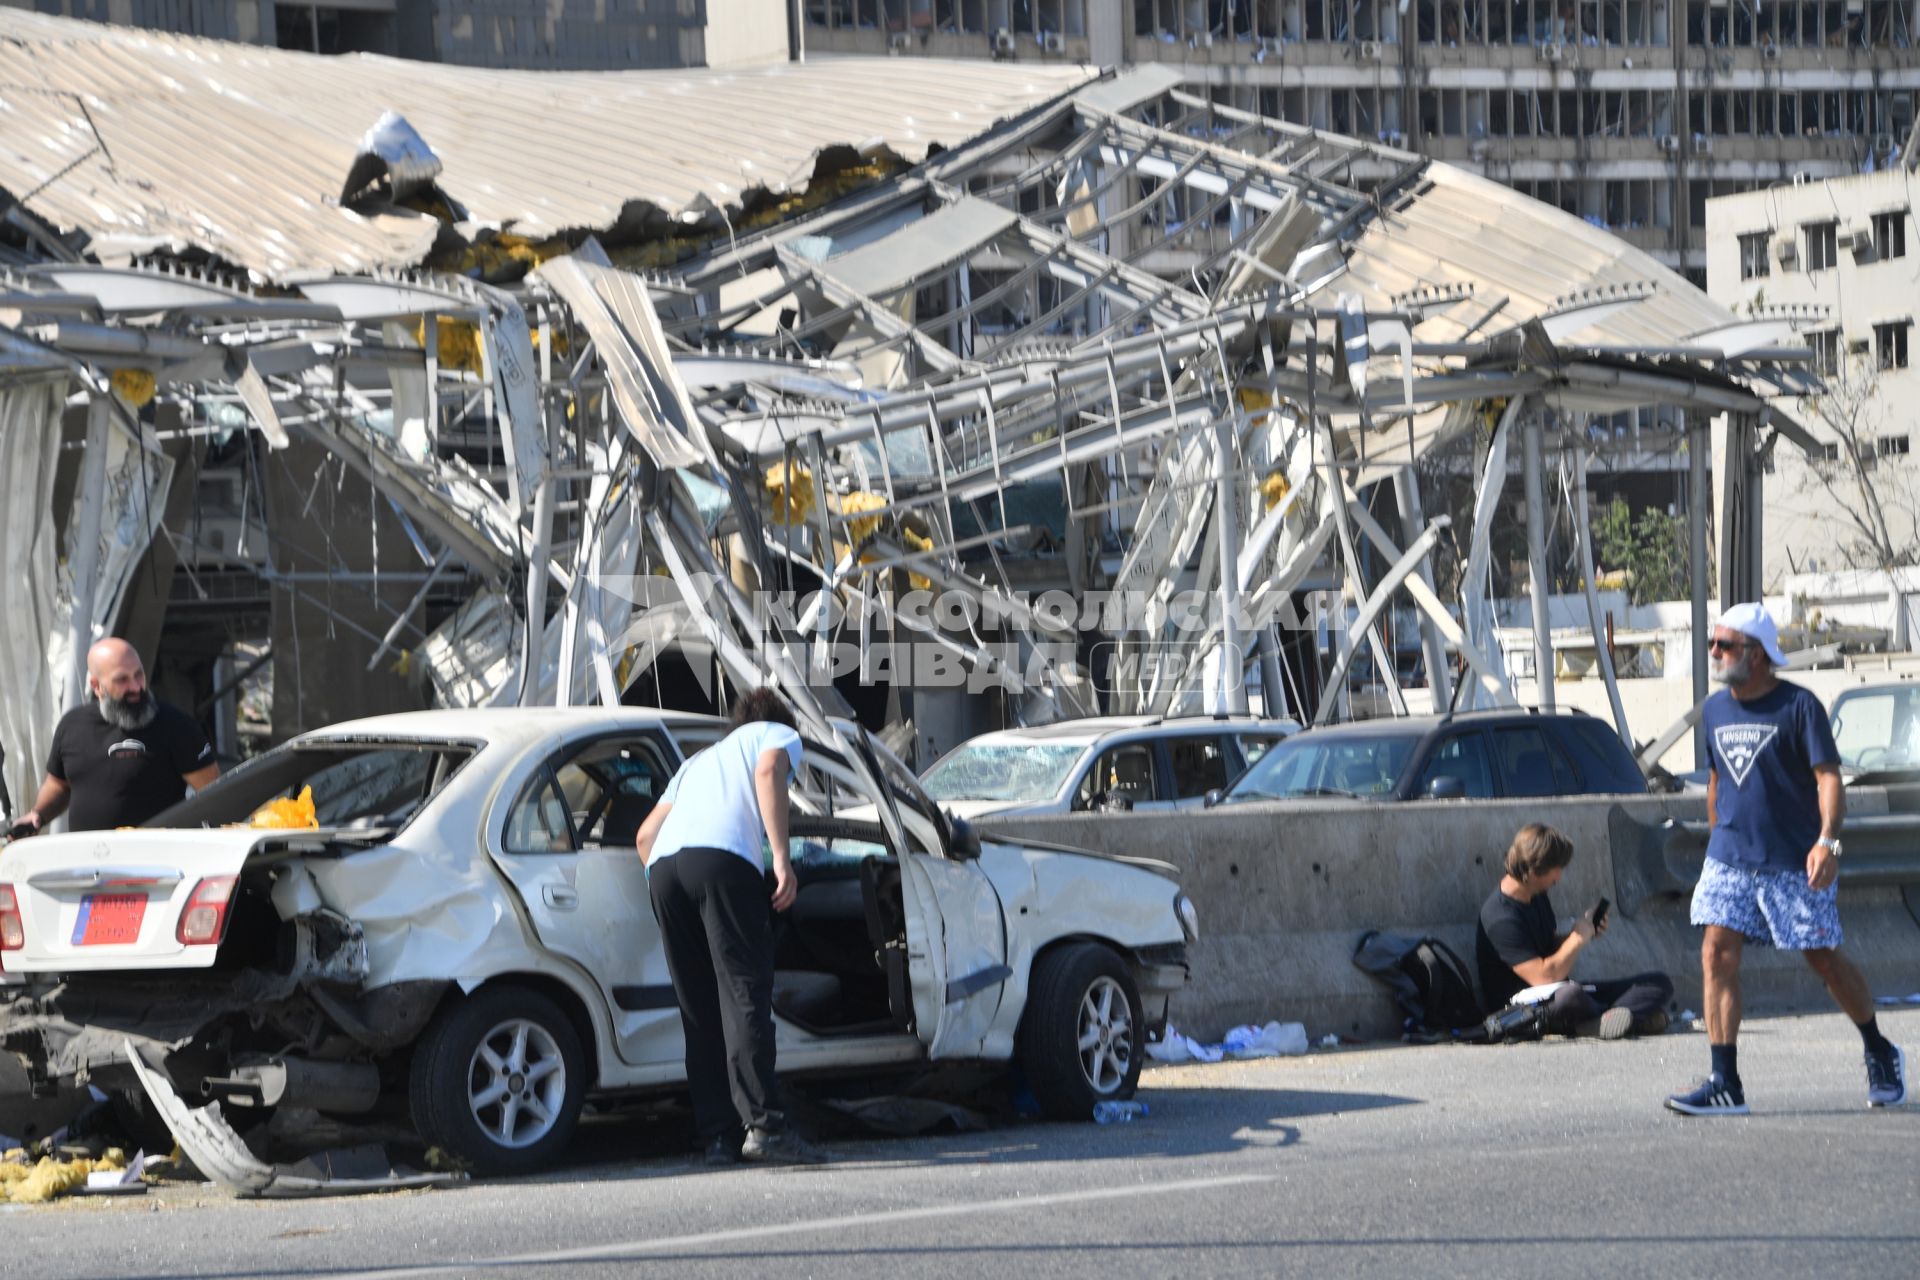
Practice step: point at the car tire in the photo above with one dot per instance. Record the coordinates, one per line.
(483, 1085)
(139, 1122)
(1079, 993)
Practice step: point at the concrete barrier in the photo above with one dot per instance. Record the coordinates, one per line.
(1285, 889)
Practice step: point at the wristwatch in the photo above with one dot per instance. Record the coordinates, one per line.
(1832, 843)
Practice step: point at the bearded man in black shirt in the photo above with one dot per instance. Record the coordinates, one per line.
(122, 759)
(1519, 945)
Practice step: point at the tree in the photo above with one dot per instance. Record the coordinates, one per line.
(1873, 493)
(1651, 548)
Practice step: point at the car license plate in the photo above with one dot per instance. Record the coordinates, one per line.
(109, 919)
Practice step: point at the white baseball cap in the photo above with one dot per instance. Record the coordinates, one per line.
(1753, 621)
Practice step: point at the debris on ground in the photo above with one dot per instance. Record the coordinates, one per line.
(24, 1181)
(1271, 1040)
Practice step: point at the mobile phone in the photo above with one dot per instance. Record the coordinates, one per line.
(1600, 911)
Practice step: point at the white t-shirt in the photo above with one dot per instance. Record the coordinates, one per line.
(714, 803)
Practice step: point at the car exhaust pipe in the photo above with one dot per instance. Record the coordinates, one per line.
(341, 1087)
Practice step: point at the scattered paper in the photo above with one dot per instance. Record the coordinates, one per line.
(1274, 1040)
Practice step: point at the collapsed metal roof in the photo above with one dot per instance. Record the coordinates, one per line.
(146, 141)
(1210, 333)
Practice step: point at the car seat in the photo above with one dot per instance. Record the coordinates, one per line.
(1531, 775)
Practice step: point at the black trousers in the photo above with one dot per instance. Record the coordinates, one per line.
(1642, 994)
(716, 920)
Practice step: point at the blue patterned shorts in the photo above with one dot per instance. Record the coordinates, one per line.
(1772, 908)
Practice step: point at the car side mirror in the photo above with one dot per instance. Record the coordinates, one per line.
(1447, 787)
(966, 841)
(1215, 796)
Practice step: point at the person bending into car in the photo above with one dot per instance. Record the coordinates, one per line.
(121, 760)
(1518, 946)
(701, 845)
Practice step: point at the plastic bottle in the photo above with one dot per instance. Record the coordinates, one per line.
(1112, 1112)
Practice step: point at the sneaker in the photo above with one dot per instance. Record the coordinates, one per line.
(723, 1151)
(783, 1147)
(1611, 1025)
(1650, 1024)
(1711, 1097)
(1887, 1078)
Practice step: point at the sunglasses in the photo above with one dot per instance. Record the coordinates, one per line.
(1718, 645)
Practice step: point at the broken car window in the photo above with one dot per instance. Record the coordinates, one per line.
(1005, 771)
(354, 784)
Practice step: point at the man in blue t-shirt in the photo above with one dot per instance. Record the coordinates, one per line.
(1775, 803)
(701, 845)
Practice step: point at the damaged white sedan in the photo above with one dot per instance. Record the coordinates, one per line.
(464, 932)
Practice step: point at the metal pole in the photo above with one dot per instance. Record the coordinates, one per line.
(1699, 497)
(1230, 693)
(1537, 558)
(1406, 492)
(1583, 530)
(89, 499)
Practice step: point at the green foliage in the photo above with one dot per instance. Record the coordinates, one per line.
(1652, 549)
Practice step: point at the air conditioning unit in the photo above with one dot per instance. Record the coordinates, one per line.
(1003, 43)
(1052, 42)
(899, 41)
(1786, 249)
(1670, 143)
(1368, 51)
(1553, 51)
(1702, 145)
(1855, 240)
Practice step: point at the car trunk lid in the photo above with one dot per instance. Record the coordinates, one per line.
(107, 900)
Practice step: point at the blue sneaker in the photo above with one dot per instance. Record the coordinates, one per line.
(1712, 1097)
(1887, 1078)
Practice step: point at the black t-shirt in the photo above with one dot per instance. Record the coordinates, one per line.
(1511, 933)
(122, 777)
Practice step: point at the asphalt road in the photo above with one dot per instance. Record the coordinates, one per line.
(1551, 1158)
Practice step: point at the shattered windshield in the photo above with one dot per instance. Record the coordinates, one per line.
(1343, 765)
(1012, 772)
(354, 784)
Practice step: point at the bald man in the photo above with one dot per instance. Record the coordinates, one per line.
(123, 759)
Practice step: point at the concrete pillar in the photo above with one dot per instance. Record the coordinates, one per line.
(1532, 463)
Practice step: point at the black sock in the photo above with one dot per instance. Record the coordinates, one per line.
(1726, 1062)
(1870, 1033)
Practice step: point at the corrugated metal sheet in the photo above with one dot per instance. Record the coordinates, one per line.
(143, 140)
(1464, 229)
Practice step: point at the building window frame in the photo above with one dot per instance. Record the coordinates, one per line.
(1823, 244)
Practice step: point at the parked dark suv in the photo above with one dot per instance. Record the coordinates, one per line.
(1471, 755)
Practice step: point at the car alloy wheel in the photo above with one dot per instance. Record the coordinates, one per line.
(1106, 1035)
(1081, 1034)
(498, 1079)
(517, 1083)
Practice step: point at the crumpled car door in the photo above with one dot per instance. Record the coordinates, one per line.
(956, 952)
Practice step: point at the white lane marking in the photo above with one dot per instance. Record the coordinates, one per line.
(608, 1252)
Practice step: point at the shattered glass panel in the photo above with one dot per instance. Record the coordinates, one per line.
(353, 785)
(1006, 772)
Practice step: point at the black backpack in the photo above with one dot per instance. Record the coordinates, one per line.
(1447, 1002)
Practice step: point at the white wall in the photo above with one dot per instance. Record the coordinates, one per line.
(746, 33)
(1805, 526)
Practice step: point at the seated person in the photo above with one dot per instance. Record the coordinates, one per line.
(1516, 947)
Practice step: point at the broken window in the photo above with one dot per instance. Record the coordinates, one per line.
(1825, 345)
(1890, 345)
(354, 784)
(1890, 234)
(1012, 772)
(1822, 245)
(1753, 254)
